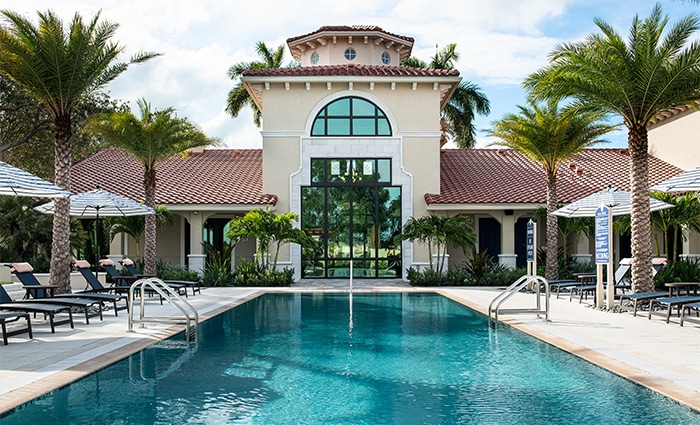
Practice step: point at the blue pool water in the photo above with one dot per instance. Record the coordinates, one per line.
(372, 359)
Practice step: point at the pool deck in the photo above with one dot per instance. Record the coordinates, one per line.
(661, 356)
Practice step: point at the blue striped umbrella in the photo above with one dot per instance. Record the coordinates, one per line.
(686, 182)
(17, 182)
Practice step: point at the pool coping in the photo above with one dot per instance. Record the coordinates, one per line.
(24, 395)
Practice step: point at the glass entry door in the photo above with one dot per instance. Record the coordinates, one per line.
(352, 219)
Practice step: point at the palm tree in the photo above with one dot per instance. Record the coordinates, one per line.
(672, 223)
(457, 119)
(550, 136)
(439, 231)
(271, 230)
(156, 136)
(134, 225)
(654, 69)
(239, 97)
(60, 68)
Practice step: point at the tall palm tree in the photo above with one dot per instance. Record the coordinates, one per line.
(60, 68)
(239, 97)
(550, 136)
(457, 118)
(155, 136)
(637, 77)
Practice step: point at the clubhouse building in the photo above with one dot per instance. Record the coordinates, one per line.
(351, 142)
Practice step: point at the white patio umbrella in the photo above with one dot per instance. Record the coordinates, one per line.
(17, 182)
(686, 182)
(100, 203)
(619, 203)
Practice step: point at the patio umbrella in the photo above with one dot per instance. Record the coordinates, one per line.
(619, 203)
(17, 182)
(617, 200)
(686, 182)
(100, 203)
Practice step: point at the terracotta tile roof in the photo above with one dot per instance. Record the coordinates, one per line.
(211, 176)
(504, 176)
(346, 28)
(354, 70)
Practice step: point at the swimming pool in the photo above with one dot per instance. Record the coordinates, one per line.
(370, 359)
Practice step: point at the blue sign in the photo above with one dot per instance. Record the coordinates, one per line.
(530, 241)
(602, 235)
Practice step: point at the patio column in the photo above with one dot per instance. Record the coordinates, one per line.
(195, 259)
(507, 256)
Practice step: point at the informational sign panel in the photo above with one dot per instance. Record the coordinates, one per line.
(530, 241)
(602, 235)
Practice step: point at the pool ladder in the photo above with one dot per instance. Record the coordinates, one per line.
(189, 317)
(532, 282)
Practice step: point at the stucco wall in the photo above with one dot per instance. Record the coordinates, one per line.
(415, 148)
(676, 140)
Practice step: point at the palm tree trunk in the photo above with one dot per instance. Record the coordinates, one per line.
(642, 279)
(60, 244)
(149, 250)
(552, 268)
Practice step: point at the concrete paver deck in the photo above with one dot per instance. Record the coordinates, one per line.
(664, 357)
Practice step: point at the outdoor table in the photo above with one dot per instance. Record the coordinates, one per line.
(679, 287)
(32, 290)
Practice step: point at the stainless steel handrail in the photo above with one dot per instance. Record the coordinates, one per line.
(191, 317)
(536, 283)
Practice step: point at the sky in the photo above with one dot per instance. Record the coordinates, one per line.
(500, 42)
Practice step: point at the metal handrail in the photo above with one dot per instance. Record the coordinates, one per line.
(169, 294)
(535, 281)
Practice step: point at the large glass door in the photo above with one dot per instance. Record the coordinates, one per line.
(355, 214)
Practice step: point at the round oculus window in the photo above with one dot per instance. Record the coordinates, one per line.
(314, 58)
(386, 58)
(350, 53)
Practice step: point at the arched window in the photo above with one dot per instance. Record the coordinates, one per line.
(351, 116)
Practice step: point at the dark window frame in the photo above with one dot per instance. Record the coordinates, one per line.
(323, 118)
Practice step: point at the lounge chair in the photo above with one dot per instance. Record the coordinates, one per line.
(688, 308)
(620, 280)
(83, 267)
(78, 303)
(117, 279)
(642, 297)
(35, 289)
(558, 285)
(48, 310)
(671, 302)
(179, 285)
(6, 318)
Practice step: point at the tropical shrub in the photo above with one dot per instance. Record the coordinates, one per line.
(683, 270)
(431, 277)
(251, 273)
(167, 271)
(26, 235)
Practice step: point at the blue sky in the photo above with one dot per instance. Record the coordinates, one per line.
(500, 42)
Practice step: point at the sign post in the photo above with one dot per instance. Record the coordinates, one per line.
(531, 255)
(603, 255)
